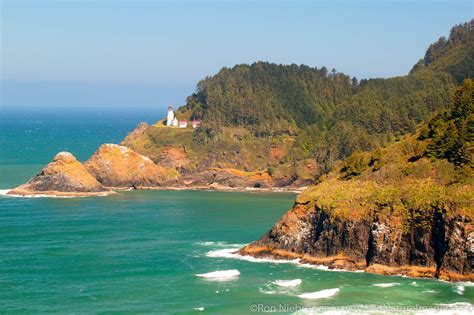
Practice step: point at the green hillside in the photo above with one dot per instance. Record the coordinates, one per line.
(328, 110)
(454, 55)
(403, 209)
(275, 118)
(411, 181)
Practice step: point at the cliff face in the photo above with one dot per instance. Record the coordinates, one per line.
(118, 166)
(439, 246)
(110, 166)
(237, 160)
(64, 174)
(407, 208)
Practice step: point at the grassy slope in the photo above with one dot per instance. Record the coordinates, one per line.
(340, 119)
(431, 170)
(235, 148)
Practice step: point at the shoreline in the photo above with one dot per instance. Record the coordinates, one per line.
(211, 187)
(343, 263)
(14, 192)
(55, 194)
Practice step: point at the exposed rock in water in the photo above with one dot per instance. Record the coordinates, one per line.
(434, 246)
(64, 174)
(118, 166)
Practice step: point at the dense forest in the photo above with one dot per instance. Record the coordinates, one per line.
(329, 113)
(403, 209)
(454, 55)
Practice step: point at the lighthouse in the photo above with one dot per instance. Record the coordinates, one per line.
(170, 118)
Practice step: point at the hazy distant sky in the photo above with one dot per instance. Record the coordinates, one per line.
(151, 53)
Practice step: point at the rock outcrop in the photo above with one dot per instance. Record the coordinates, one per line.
(135, 134)
(441, 247)
(407, 208)
(237, 161)
(118, 166)
(64, 175)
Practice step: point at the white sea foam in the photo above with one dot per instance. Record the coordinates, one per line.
(326, 268)
(231, 249)
(288, 283)
(4, 192)
(319, 267)
(429, 291)
(466, 283)
(386, 285)
(220, 275)
(323, 294)
(261, 290)
(459, 289)
(231, 253)
(199, 309)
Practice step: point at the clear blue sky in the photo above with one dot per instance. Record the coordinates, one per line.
(151, 53)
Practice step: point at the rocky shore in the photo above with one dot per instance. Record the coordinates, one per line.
(64, 176)
(443, 248)
(115, 167)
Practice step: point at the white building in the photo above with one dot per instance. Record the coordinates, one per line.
(174, 122)
(183, 124)
(196, 123)
(170, 118)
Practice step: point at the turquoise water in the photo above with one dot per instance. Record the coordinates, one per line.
(29, 137)
(141, 251)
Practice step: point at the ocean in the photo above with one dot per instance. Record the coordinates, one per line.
(166, 252)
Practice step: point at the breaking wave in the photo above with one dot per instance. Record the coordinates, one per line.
(4, 192)
(323, 294)
(220, 275)
(231, 253)
(288, 283)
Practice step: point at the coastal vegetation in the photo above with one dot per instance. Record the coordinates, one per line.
(291, 124)
(309, 115)
(391, 160)
(406, 208)
(430, 170)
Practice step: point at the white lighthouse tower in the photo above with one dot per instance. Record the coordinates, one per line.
(170, 118)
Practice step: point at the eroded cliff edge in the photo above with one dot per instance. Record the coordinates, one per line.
(406, 209)
(379, 237)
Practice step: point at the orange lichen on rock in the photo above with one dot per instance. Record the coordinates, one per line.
(64, 174)
(118, 166)
(342, 261)
(276, 153)
(261, 177)
(172, 156)
(231, 171)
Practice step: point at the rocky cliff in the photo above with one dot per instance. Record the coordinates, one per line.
(118, 166)
(404, 209)
(274, 127)
(382, 239)
(110, 167)
(64, 175)
(237, 161)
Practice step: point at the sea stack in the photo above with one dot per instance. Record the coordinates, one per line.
(65, 175)
(120, 167)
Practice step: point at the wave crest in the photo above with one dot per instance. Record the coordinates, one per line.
(220, 275)
(323, 294)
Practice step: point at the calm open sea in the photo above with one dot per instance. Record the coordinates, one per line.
(156, 251)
